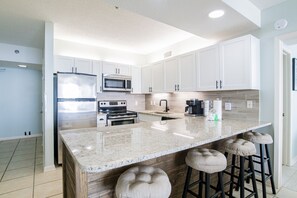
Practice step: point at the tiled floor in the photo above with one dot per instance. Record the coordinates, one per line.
(21, 173)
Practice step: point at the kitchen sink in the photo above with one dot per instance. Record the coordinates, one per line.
(161, 112)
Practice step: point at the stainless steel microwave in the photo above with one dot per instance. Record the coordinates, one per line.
(112, 82)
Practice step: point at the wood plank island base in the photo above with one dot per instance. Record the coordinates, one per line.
(94, 158)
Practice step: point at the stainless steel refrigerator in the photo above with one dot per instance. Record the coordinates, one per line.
(75, 105)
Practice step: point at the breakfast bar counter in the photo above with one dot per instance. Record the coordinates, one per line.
(93, 158)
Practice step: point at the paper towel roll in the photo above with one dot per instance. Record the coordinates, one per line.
(206, 107)
(217, 106)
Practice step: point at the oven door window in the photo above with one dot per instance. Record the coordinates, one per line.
(121, 122)
(114, 83)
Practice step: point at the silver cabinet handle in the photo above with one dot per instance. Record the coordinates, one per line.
(221, 84)
(76, 70)
(132, 90)
(217, 84)
(72, 69)
(177, 87)
(100, 88)
(116, 70)
(174, 87)
(119, 71)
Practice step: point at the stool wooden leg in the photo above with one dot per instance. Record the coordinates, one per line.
(187, 182)
(221, 185)
(253, 176)
(232, 175)
(269, 169)
(241, 176)
(263, 170)
(200, 184)
(207, 185)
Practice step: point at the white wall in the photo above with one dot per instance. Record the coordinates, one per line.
(25, 55)
(182, 47)
(67, 48)
(293, 50)
(20, 102)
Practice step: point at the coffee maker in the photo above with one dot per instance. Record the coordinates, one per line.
(194, 108)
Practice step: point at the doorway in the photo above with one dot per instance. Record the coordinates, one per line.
(286, 108)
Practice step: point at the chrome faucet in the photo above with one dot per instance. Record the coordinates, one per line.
(166, 103)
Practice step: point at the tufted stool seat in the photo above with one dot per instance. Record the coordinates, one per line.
(262, 139)
(206, 161)
(143, 182)
(259, 138)
(240, 147)
(243, 149)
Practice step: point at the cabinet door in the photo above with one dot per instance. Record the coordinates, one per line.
(123, 69)
(97, 70)
(146, 79)
(171, 74)
(187, 72)
(208, 68)
(235, 63)
(136, 80)
(158, 77)
(109, 68)
(64, 64)
(83, 66)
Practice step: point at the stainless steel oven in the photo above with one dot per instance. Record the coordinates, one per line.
(116, 112)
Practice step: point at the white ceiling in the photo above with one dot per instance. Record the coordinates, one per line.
(263, 4)
(97, 22)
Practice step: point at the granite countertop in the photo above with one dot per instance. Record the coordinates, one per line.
(101, 149)
(163, 114)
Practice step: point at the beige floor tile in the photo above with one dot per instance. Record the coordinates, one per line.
(57, 196)
(286, 193)
(39, 160)
(25, 148)
(48, 189)
(3, 167)
(49, 176)
(38, 169)
(24, 152)
(17, 173)
(16, 184)
(24, 193)
(23, 157)
(21, 164)
(4, 161)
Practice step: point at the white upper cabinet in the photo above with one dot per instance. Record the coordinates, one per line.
(70, 64)
(115, 68)
(239, 60)
(83, 66)
(158, 77)
(208, 68)
(171, 74)
(97, 70)
(146, 79)
(63, 64)
(136, 80)
(230, 65)
(187, 72)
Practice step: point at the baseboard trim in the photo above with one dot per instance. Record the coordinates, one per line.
(21, 137)
(49, 168)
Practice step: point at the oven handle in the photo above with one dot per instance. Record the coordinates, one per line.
(131, 118)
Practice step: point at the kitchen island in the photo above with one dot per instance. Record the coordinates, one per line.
(94, 158)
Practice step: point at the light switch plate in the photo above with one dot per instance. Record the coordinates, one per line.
(249, 104)
(228, 106)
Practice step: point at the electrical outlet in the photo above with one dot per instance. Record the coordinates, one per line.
(228, 106)
(249, 104)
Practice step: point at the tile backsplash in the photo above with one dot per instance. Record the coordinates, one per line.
(238, 100)
(135, 102)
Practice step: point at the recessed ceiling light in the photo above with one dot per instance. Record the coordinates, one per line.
(216, 14)
(23, 66)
